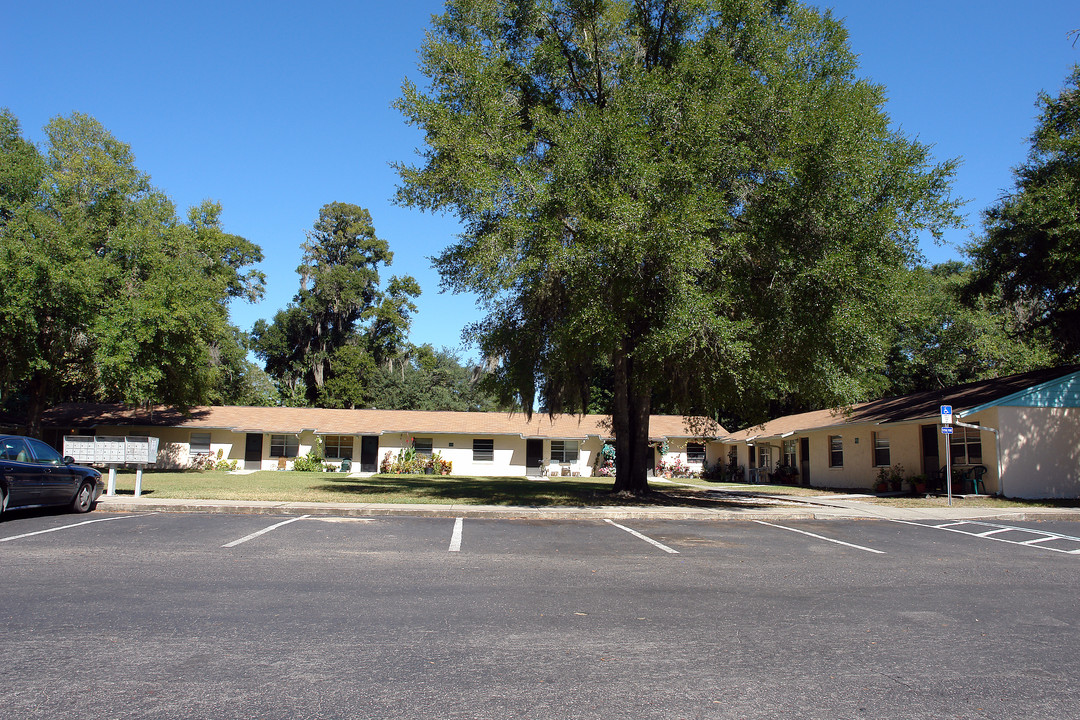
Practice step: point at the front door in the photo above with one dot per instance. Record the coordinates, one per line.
(931, 462)
(253, 448)
(804, 459)
(369, 453)
(534, 455)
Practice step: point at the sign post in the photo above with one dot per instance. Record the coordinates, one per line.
(946, 429)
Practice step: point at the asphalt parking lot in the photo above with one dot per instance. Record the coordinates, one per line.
(114, 615)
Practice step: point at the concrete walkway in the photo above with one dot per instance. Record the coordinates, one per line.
(748, 507)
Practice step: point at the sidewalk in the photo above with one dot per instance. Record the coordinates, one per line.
(786, 508)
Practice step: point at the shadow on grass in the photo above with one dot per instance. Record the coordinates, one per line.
(509, 491)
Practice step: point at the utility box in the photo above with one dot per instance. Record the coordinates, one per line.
(112, 450)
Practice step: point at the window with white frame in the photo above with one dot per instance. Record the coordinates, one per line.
(199, 443)
(966, 446)
(695, 452)
(483, 450)
(287, 446)
(764, 455)
(422, 446)
(881, 450)
(789, 453)
(337, 447)
(836, 451)
(564, 451)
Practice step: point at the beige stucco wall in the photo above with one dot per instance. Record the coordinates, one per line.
(905, 449)
(509, 453)
(1040, 453)
(174, 443)
(858, 470)
(714, 451)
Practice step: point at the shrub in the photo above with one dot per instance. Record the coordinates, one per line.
(407, 462)
(313, 461)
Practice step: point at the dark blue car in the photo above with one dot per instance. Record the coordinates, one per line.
(32, 474)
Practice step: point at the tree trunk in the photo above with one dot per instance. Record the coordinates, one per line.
(38, 392)
(630, 421)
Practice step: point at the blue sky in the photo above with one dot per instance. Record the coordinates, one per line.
(275, 109)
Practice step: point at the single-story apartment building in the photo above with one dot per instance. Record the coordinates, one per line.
(1024, 443)
(481, 444)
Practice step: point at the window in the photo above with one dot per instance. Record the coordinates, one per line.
(284, 446)
(966, 446)
(881, 450)
(836, 451)
(695, 452)
(422, 446)
(199, 443)
(45, 455)
(14, 449)
(338, 447)
(564, 451)
(765, 456)
(483, 450)
(789, 453)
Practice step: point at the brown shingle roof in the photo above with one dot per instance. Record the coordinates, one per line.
(907, 408)
(367, 422)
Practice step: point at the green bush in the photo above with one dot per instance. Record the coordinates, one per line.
(313, 461)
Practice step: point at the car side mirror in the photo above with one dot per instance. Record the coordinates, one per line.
(68, 460)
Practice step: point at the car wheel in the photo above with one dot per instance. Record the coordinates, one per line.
(84, 499)
(3, 501)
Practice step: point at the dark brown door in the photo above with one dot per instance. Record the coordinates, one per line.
(369, 453)
(931, 462)
(253, 448)
(804, 460)
(534, 454)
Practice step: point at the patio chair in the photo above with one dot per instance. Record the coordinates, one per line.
(977, 473)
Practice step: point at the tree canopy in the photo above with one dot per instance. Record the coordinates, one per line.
(107, 295)
(1028, 258)
(944, 338)
(324, 348)
(700, 194)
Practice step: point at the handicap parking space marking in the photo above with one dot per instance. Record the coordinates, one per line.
(455, 537)
(647, 539)
(68, 527)
(822, 537)
(992, 531)
(265, 530)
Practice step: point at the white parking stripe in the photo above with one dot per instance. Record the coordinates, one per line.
(66, 527)
(455, 538)
(821, 537)
(649, 540)
(254, 535)
(1041, 535)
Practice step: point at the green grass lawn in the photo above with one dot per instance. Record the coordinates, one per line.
(289, 486)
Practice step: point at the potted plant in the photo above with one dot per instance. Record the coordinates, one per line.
(882, 483)
(918, 484)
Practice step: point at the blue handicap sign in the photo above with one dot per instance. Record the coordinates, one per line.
(946, 409)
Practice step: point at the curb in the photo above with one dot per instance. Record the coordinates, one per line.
(455, 511)
(808, 509)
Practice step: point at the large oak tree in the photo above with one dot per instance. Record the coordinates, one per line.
(324, 348)
(106, 293)
(700, 193)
